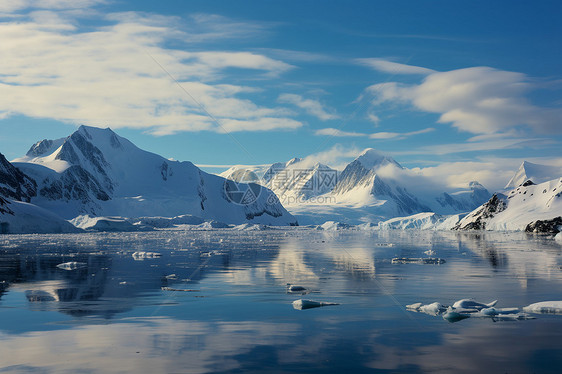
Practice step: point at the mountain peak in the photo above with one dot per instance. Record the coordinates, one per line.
(371, 158)
(534, 172)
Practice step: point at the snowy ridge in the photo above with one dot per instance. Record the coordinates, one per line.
(25, 218)
(421, 221)
(517, 208)
(533, 172)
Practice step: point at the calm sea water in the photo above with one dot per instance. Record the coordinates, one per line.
(113, 315)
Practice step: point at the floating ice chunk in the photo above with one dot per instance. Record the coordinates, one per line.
(544, 307)
(496, 312)
(430, 252)
(292, 288)
(72, 265)
(471, 304)
(453, 316)
(143, 255)
(433, 309)
(178, 289)
(171, 276)
(415, 260)
(308, 304)
(414, 307)
(558, 237)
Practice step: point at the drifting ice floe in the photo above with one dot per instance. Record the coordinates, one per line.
(72, 265)
(415, 260)
(178, 289)
(308, 304)
(471, 304)
(467, 308)
(292, 288)
(453, 316)
(142, 255)
(432, 309)
(544, 307)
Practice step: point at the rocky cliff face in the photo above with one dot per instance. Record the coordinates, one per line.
(14, 184)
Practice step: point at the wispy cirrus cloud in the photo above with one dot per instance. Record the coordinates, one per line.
(310, 106)
(377, 135)
(479, 100)
(17, 5)
(121, 74)
(391, 67)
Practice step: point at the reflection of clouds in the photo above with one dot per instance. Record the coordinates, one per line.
(163, 345)
(356, 261)
(480, 348)
(290, 265)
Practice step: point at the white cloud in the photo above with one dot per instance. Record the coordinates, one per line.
(336, 157)
(398, 135)
(480, 100)
(479, 146)
(312, 107)
(337, 132)
(329, 131)
(16, 5)
(117, 75)
(393, 67)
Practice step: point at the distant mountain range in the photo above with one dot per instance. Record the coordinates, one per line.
(96, 173)
(371, 188)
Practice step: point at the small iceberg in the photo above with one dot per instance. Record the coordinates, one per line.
(72, 265)
(292, 288)
(418, 260)
(544, 307)
(138, 256)
(178, 289)
(433, 309)
(309, 304)
(471, 304)
(452, 315)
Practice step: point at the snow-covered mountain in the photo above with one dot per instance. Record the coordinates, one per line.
(95, 171)
(534, 172)
(293, 181)
(462, 201)
(17, 215)
(518, 208)
(360, 184)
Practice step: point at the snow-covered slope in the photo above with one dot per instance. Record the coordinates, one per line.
(517, 208)
(95, 171)
(25, 218)
(360, 184)
(533, 172)
(421, 221)
(295, 182)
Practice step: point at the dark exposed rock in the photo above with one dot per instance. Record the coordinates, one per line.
(551, 226)
(14, 184)
(495, 205)
(75, 183)
(527, 183)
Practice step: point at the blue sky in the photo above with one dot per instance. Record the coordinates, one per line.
(460, 90)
